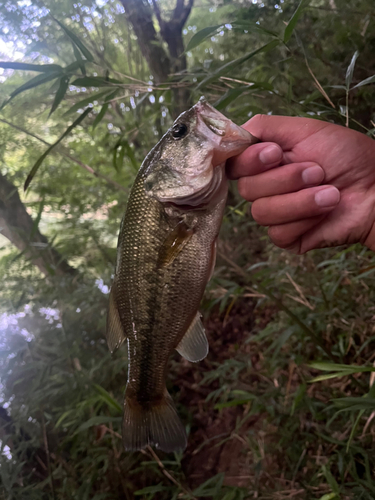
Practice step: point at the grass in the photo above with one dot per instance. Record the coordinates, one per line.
(282, 407)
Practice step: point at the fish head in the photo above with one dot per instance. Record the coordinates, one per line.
(183, 169)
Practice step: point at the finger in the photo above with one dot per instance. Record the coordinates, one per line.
(284, 208)
(281, 180)
(255, 159)
(288, 236)
(287, 131)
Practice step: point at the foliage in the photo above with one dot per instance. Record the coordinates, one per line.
(283, 405)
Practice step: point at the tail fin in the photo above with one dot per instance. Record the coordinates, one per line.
(158, 426)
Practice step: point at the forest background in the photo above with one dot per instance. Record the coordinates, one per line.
(283, 406)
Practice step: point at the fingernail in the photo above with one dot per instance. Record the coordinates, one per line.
(313, 175)
(269, 155)
(327, 197)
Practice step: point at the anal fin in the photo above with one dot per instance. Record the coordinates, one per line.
(114, 332)
(194, 345)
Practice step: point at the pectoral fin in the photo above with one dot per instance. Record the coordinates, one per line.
(114, 333)
(174, 243)
(194, 345)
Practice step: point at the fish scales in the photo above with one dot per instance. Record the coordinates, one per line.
(166, 253)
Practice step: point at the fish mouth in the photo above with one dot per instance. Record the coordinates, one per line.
(200, 198)
(229, 138)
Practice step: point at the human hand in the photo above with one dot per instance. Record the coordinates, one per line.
(311, 182)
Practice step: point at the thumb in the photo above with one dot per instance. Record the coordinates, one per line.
(287, 131)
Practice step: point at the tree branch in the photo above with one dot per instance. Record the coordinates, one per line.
(19, 228)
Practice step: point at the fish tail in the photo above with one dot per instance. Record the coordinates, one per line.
(156, 425)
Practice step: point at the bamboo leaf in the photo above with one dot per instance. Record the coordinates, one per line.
(108, 398)
(85, 102)
(230, 96)
(353, 403)
(130, 154)
(98, 420)
(252, 27)
(350, 70)
(79, 60)
(47, 152)
(226, 68)
(77, 42)
(200, 36)
(103, 111)
(100, 115)
(35, 82)
(367, 81)
(95, 81)
(341, 368)
(151, 489)
(61, 91)
(74, 66)
(40, 68)
(232, 402)
(294, 19)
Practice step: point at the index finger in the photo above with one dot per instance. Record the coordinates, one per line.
(254, 160)
(287, 131)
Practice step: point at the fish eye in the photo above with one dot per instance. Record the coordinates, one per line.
(179, 130)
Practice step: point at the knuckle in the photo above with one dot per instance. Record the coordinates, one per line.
(259, 212)
(258, 120)
(244, 189)
(280, 237)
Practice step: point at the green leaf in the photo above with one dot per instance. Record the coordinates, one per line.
(252, 27)
(40, 68)
(98, 420)
(77, 42)
(85, 102)
(34, 82)
(341, 368)
(201, 35)
(230, 96)
(72, 67)
(151, 489)
(130, 154)
(367, 81)
(226, 68)
(79, 60)
(108, 398)
(350, 70)
(331, 480)
(95, 81)
(353, 403)
(100, 115)
(233, 402)
(211, 487)
(294, 19)
(329, 496)
(61, 91)
(103, 111)
(46, 153)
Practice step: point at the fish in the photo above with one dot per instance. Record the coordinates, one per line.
(165, 258)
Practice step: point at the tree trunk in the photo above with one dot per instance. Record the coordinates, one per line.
(18, 227)
(162, 63)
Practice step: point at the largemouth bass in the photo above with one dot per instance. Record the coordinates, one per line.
(166, 256)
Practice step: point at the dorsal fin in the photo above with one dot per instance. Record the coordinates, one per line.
(194, 345)
(114, 331)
